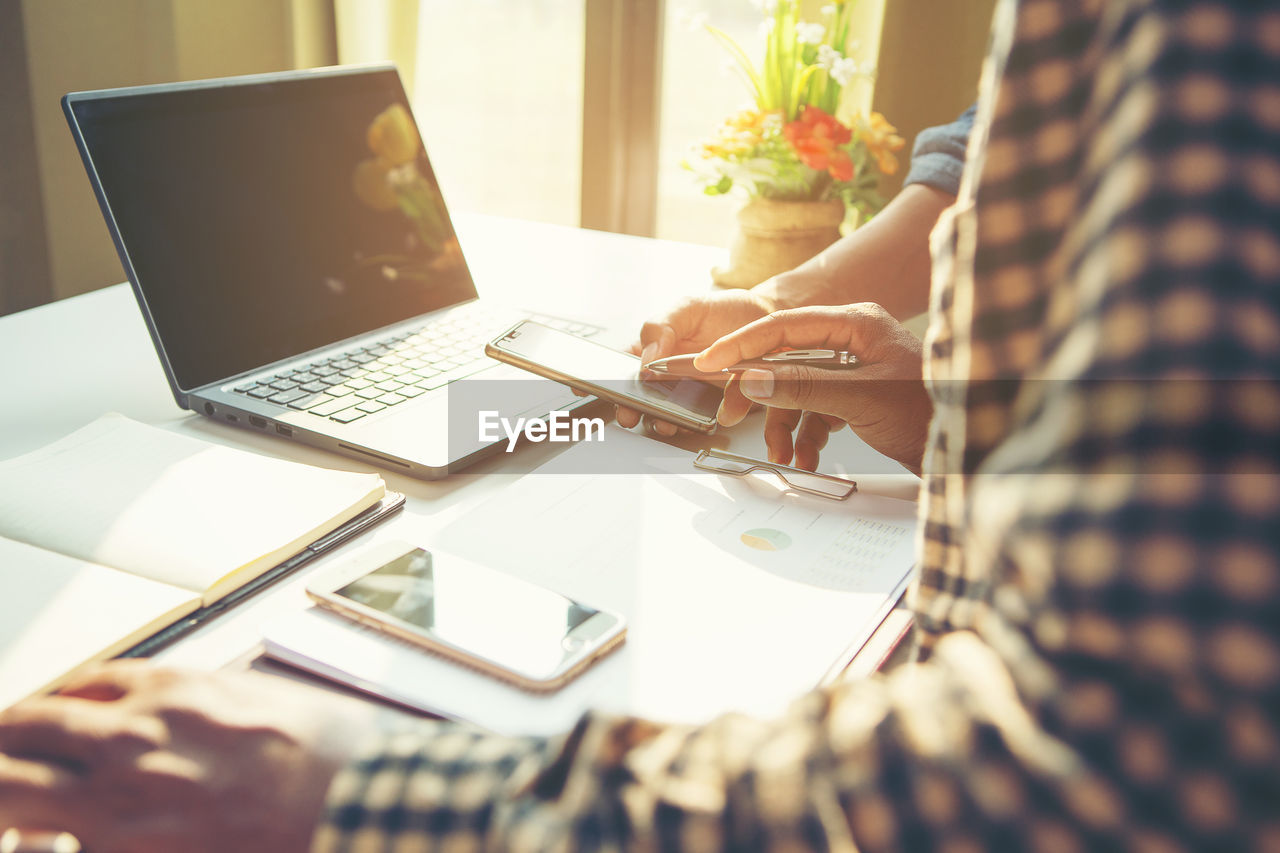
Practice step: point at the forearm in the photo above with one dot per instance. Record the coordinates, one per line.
(827, 775)
(885, 261)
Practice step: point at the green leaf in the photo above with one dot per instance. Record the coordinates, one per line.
(802, 80)
(784, 38)
(744, 63)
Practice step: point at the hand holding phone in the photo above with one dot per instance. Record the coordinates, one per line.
(615, 376)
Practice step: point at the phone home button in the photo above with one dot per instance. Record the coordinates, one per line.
(571, 643)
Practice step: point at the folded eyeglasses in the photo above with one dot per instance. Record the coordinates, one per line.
(796, 479)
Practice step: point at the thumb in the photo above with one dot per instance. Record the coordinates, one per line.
(812, 389)
(657, 339)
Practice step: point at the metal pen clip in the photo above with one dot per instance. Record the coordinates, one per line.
(797, 479)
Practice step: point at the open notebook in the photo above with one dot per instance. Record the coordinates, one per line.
(120, 530)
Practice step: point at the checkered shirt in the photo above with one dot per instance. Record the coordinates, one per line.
(1099, 599)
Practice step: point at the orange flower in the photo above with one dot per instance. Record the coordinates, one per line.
(450, 256)
(749, 121)
(840, 165)
(817, 139)
(881, 139)
(739, 134)
(371, 184)
(393, 136)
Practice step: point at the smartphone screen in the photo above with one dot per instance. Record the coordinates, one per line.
(520, 627)
(608, 373)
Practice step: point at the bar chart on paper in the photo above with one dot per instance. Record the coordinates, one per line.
(816, 542)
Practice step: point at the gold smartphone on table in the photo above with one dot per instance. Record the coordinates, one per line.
(496, 623)
(594, 368)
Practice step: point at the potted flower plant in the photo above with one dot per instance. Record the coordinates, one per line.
(805, 162)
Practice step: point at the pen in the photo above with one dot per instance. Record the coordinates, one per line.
(682, 365)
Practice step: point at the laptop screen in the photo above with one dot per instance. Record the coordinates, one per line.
(266, 219)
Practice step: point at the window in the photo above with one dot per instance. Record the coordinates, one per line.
(699, 90)
(498, 91)
(498, 88)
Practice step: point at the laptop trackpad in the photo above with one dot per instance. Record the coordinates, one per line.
(448, 424)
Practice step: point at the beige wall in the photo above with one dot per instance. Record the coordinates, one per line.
(931, 54)
(91, 44)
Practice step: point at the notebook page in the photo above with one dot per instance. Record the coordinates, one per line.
(172, 508)
(58, 613)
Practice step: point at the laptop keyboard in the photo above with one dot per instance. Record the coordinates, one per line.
(365, 380)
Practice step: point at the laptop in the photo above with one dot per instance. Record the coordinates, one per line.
(288, 244)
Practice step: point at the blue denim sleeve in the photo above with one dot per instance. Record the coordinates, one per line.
(937, 158)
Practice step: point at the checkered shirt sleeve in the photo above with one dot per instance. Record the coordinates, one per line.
(1099, 597)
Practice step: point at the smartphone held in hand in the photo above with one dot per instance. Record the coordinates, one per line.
(593, 368)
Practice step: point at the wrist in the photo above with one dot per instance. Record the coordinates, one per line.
(794, 288)
(765, 297)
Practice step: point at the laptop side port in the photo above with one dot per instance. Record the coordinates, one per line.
(260, 423)
(284, 430)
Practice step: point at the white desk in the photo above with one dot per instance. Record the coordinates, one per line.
(76, 359)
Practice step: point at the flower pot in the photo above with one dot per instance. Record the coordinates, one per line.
(775, 236)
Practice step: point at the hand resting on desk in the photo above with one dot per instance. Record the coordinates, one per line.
(134, 757)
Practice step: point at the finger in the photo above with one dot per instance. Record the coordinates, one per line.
(827, 392)
(49, 728)
(812, 436)
(852, 327)
(734, 407)
(76, 733)
(657, 339)
(663, 428)
(627, 418)
(35, 795)
(38, 841)
(114, 680)
(779, 424)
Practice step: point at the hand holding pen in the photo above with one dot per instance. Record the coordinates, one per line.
(811, 394)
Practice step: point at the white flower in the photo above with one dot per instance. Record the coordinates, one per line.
(766, 7)
(691, 21)
(844, 70)
(810, 33)
(766, 27)
(402, 175)
(829, 10)
(827, 56)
